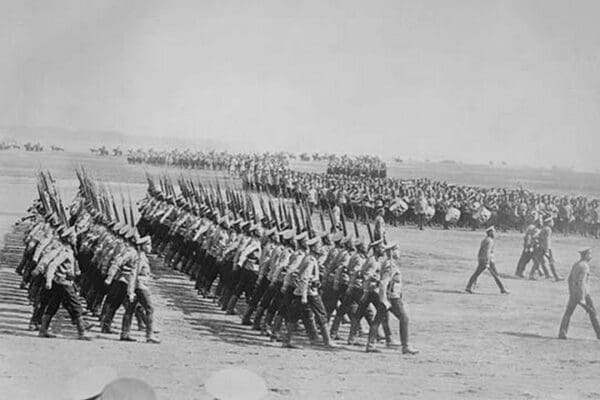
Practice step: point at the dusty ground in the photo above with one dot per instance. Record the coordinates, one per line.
(472, 346)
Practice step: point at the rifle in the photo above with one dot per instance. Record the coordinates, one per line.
(343, 219)
(354, 220)
(323, 227)
(368, 224)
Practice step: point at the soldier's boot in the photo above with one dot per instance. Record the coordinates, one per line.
(81, 329)
(103, 311)
(188, 267)
(150, 337)
(247, 318)
(140, 317)
(387, 335)
(225, 299)
(21, 266)
(335, 326)
(33, 326)
(126, 328)
(406, 349)
(231, 305)
(371, 340)
(106, 320)
(287, 338)
(265, 325)
(311, 330)
(327, 338)
(44, 326)
(354, 327)
(276, 328)
(256, 325)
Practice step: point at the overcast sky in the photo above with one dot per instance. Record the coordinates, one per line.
(471, 80)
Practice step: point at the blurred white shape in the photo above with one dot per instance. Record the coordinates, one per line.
(236, 383)
(89, 383)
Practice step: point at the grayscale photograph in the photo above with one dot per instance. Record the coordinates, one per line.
(321, 199)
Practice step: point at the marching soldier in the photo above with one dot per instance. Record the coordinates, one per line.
(306, 296)
(141, 292)
(59, 281)
(528, 246)
(486, 261)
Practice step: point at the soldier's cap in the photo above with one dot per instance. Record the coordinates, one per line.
(203, 229)
(313, 241)
(67, 232)
(244, 224)
(237, 222)
(376, 243)
(288, 234)
(129, 233)
(337, 237)
(124, 230)
(142, 240)
(360, 241)
(490, 229)
(116, 227)
(225, 223)
(585, 251)
(270, 231)
(187, 206)
(55, 221)
(255, 229)
(301, 235)
(60, 229)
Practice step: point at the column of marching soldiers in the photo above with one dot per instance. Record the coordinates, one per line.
(286, 269)
(87, 252)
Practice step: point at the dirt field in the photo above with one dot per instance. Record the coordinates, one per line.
(481, 346)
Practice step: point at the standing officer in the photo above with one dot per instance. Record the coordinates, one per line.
(486, 261)
(391, 294)
(579, 279)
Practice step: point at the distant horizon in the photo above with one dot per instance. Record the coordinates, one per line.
(466, 80)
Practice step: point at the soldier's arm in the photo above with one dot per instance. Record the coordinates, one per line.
(52, 266)
(132, 279)
(115, 265)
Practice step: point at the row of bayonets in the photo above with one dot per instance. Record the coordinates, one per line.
(274, 212)
(101, 198)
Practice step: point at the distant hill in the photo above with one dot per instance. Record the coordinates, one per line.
(84, 139)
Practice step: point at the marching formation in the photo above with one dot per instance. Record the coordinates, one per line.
(239, 244)
(285, 268)
(87, 255)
